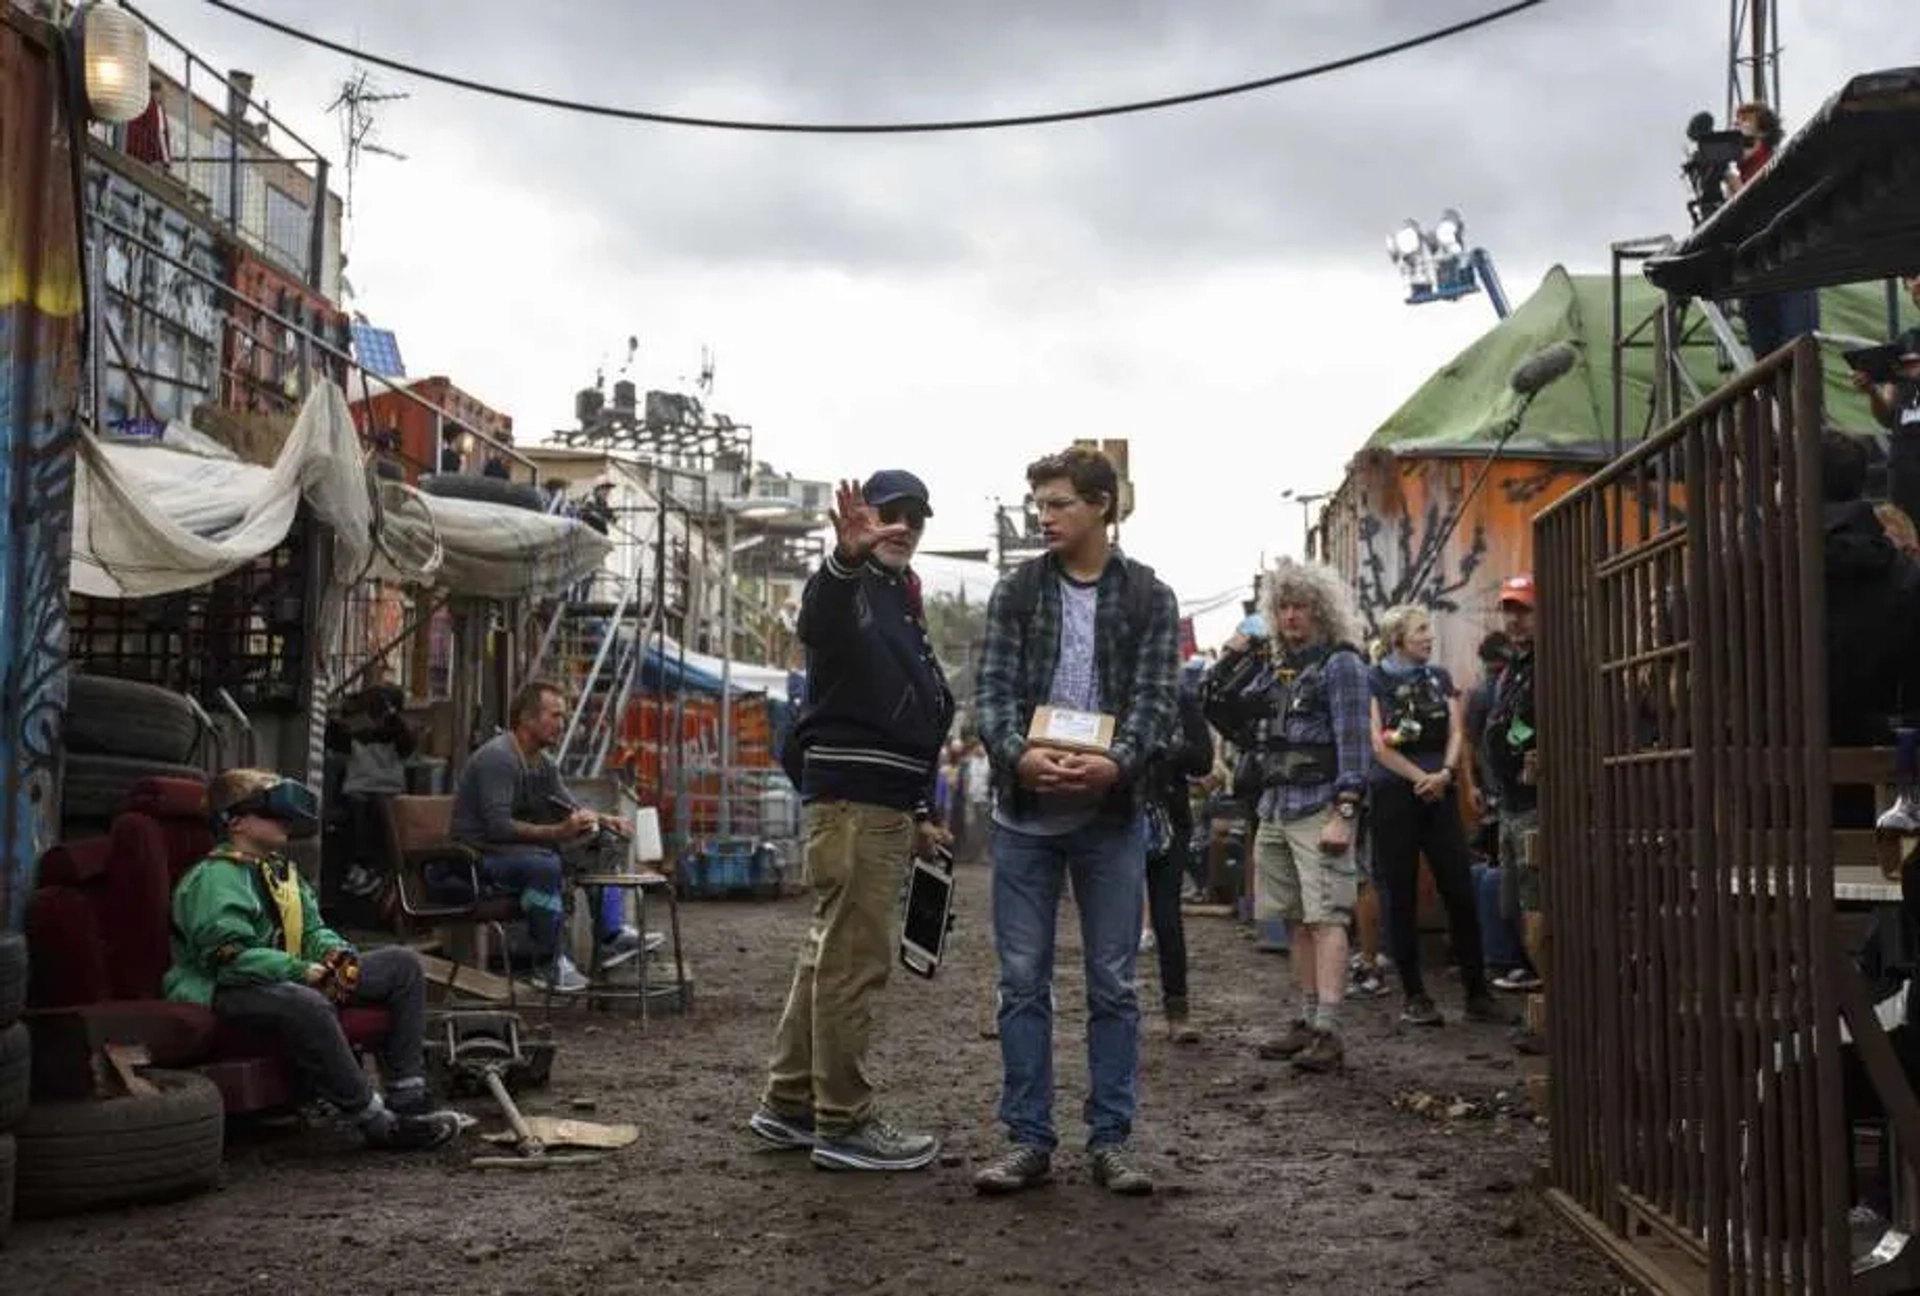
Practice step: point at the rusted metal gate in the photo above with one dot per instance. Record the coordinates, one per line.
(1696, 981)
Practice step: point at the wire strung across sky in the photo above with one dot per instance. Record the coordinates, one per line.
(883, 128)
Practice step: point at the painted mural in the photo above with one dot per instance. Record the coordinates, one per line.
(1387, 531)
(40, 368)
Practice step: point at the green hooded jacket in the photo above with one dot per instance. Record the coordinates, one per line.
(228, 930)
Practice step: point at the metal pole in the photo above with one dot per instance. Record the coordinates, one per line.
(317, 235)
(1759, 40)
(726, 671)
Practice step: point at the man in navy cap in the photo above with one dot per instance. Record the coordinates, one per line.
(863, 753)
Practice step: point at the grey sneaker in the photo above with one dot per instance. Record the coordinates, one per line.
(781, 1129)
(1018, 1168)
(1287, 1046)
(562, 978)
(874, 1145)
(1120, 1172)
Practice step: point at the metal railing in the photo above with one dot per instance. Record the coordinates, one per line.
(1696, 980)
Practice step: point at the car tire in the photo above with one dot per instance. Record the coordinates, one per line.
(78, 1156)
(116, 717)
(484, 490)
(93, 787)
(16, 1074)
(13, 977)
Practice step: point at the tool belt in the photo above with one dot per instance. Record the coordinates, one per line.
(1299, 765)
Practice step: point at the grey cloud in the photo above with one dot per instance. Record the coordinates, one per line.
(1555, 132)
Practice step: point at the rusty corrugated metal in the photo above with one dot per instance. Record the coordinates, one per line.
(40, 367)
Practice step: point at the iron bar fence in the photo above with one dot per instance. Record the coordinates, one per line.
(1696, 977)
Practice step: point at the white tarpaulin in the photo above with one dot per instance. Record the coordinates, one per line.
(155, 519)
(490, 550)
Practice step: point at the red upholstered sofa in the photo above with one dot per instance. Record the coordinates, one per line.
(97, 932)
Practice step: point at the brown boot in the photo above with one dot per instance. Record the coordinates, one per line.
(1288, 1046)
(1180, 1029)
(1324, 1053)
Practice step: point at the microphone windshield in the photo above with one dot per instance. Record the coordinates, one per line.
(1542, 367)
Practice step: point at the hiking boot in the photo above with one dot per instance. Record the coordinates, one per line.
(1323, 1053)
(781, 1129)
(1018, 1168)
(1419, 1011)
(1179, 1028)
(1517, 981)
(1119, 1171)
(1483, 1007)
(874, 1145)
(414, 1133)
(1288, 1046)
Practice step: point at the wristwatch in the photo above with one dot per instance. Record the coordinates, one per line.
(1346, 808)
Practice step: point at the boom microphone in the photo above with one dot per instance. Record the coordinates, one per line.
(1542, 367)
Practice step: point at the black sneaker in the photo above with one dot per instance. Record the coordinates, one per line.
(1180, 1027)
(1018, 1168)
(1421, 1012)
(874, 1145)
(1120, 1172)
(416, 1133)
(1287, 1046)
(781, 1129)
(409, 1100)
(1483, 1007)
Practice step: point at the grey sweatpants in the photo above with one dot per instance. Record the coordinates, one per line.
(308, 1025)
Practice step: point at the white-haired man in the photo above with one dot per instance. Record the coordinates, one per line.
(1315, 751)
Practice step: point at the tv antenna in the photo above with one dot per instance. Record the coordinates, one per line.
(359, 132)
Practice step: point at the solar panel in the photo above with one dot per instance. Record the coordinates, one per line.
(378, 351)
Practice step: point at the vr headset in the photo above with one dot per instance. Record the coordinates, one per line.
(286, 802)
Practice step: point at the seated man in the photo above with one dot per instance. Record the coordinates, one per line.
(249, 944)
(513, 807)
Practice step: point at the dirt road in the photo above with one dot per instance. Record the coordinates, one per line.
(1268, 1181)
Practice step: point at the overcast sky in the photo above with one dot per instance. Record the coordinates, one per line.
(1209, 282)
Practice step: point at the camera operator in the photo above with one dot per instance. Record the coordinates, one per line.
(1302, 714)
(1772, 319)
(1896, 404)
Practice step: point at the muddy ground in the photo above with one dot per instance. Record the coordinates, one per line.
(1268, 1181)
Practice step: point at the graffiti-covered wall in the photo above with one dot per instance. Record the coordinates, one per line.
(1390, 519)
(40, 323)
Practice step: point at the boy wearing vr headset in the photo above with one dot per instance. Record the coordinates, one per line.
(248, 943)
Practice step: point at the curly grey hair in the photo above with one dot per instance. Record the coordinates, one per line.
(1319, 587)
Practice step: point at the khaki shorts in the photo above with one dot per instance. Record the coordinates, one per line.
(1296, 880)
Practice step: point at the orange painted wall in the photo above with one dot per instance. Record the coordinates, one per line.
(1392, 510)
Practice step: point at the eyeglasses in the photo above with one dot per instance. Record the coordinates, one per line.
(1056, 503)
(911, 512)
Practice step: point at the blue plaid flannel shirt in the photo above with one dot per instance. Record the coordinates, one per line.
(1347, 725)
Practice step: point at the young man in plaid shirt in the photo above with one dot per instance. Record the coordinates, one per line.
(1085, 629)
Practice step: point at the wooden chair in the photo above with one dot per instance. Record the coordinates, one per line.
(419, 837)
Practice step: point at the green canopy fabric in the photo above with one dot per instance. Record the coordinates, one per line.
(1461, 408)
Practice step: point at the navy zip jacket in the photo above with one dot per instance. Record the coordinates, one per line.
(877, 705)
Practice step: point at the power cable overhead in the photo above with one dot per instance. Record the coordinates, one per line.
(877, 128)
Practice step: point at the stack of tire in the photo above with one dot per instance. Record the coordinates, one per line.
(16, 1064)
(117, 733)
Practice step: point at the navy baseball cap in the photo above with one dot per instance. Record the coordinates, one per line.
(892, 484)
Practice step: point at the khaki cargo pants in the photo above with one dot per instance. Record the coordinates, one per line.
(856, 859)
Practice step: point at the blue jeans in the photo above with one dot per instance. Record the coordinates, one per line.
(1500, 939)
(536, 875)
(1107, 862)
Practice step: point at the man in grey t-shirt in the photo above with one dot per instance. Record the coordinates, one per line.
(507, 805)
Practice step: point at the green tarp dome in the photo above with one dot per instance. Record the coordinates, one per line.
(1461, 408)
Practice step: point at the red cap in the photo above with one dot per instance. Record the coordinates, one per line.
(1517, 589)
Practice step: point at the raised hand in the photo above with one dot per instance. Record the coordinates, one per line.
(857, 526)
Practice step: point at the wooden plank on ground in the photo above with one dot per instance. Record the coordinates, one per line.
(466, 980)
